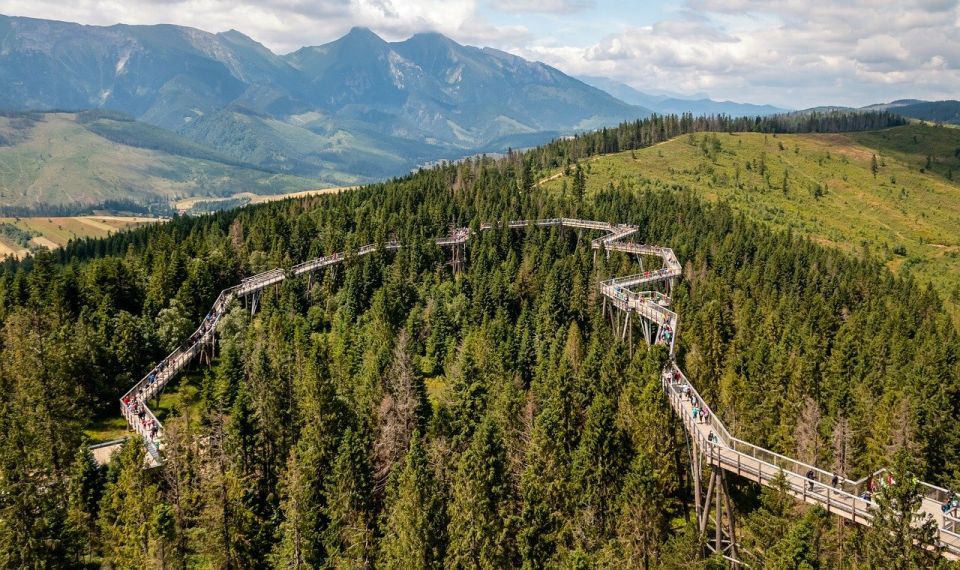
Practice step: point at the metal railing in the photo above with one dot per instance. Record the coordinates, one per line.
(157, 379)
(805, 481)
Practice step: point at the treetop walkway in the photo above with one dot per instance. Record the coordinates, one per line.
(712, 445)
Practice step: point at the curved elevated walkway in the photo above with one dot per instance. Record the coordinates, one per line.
(710, 439)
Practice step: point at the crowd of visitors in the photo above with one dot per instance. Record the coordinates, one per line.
(134, 403)
(666, 333)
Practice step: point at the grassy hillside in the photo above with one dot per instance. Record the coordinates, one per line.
(932, 149)
(340, 152)
(823, 186)
(65, 159)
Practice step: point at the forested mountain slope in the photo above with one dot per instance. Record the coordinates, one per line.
(947, 112)
(890, 192)
(393, 412)
(56, 161)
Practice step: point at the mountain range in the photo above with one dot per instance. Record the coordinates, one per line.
(667, 104)
(352, 110)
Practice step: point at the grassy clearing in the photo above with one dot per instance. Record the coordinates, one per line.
(107, 429)
(57, 231)
(935, 150)
(187, 204)
(7, 247)
(58, 159)
(822, 186)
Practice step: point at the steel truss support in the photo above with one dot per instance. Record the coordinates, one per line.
(254, 301)
(715, 501)
(459, 257)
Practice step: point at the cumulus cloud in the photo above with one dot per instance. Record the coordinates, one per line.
(787, 53)
(541, 6)
(285, 25)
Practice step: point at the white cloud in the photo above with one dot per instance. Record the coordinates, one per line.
(787, 53)
(541, 6)
(285, 25)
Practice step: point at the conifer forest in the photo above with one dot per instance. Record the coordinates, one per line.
(393, 413)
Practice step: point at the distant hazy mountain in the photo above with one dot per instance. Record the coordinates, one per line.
(351, 110)
(892, 104)
(670, 104)
(936, 111)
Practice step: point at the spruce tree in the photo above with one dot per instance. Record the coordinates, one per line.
(227, 522)
(348, 538)
(800, 547)
(84, 489)
(598, 466)
(299, 545)
(901, 537)
(40, 429)
(127, 509)
(644, 519)
(579, 184)
(768, 524)
(414, 519)
(480, 520)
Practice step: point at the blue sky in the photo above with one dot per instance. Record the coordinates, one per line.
(790, 53)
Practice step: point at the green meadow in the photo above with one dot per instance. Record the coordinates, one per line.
(892, 193)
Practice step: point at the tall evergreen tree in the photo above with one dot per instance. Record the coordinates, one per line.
(40, 426)
(84, 489)
(480, 520)
(643, 522)
(348, 537)
(598, 466)
(299, 545)
(127, 510)
(901, 537)
(414, 526)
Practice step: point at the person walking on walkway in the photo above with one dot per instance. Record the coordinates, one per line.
(811, 477)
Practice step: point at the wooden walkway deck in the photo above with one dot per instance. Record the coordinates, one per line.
(845, 499)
